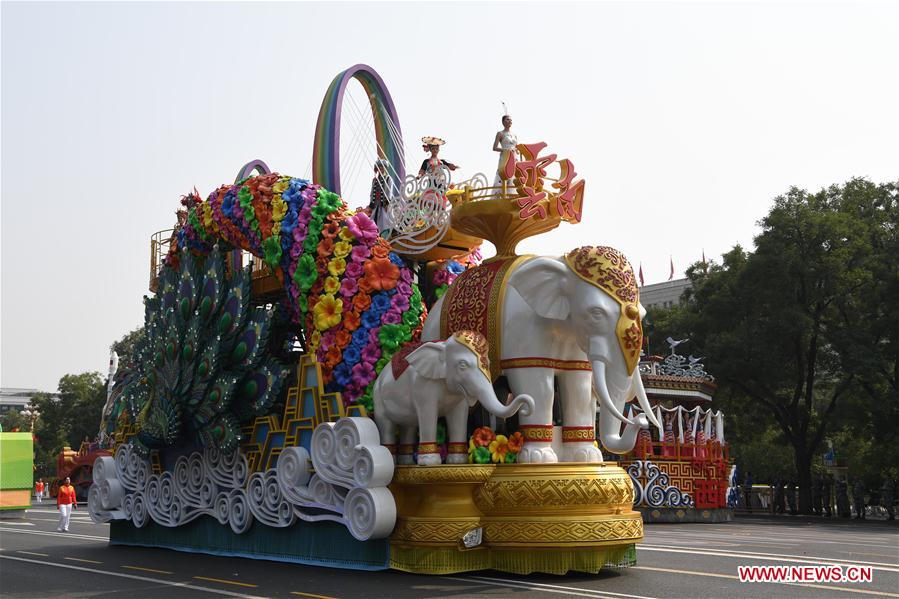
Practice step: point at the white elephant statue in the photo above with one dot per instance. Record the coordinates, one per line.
(440, 378)
(577, 318)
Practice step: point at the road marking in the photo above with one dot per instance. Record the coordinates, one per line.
(19, 523)
(87, 561)
(34, 553)
(148, 570)
(240, 584)
(777, 557)
(313, 595)
(547, 588)
(690, 572)
(798, 584)
(184, 585)
(45, 533)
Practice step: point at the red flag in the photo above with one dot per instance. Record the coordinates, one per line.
(671, 276)
(641, 275)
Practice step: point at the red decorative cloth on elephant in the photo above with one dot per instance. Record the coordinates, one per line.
(474, 302)
(398, 363)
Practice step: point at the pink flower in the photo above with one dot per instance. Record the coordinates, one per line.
(362, 227)
(440, 277)
(400, 303)
(371, 353)
(360, 253)
(328, 339)
(354, 270)
(392, 316)
(403, 288)
(363, 372)
(406, 276)
(349, 287)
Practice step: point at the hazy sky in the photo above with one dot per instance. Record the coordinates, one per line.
(685, 120)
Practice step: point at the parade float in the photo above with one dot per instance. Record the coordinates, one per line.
(325, 403)
(681, 470)
(16, 473)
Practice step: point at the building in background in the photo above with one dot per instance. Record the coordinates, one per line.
(14, 398)
(663, 295)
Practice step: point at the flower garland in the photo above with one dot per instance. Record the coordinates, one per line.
(446, 271)
(485, 447)
(353, 296)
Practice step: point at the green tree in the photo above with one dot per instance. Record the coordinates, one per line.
(124, 347)
(84, 396)
(807, 322)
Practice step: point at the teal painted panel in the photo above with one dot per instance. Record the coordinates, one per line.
(314, 543)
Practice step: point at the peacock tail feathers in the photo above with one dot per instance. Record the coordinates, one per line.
(203, 366)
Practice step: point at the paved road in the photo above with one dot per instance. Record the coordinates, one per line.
(675, 560)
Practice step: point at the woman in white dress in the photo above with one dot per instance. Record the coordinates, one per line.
(505, 141)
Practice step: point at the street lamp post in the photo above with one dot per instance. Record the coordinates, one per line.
(32, 414)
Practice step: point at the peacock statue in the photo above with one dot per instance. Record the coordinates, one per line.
(204, 365)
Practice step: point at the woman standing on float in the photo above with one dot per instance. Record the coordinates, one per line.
(504, 142)
(431, 166)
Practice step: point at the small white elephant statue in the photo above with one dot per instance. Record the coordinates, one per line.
(440, 378)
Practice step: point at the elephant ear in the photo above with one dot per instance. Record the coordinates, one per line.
(429, 360)
(542, 285)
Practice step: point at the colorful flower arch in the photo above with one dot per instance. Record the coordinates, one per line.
(354, 298)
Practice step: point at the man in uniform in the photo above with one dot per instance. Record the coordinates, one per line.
(887, 491)
(858, 498)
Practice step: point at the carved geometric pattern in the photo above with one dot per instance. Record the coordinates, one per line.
(433, 531)
(689, 477)
(306, 406)
(520, 494)
(469, 473)
(563, 531)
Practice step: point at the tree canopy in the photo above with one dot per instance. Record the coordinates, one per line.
(801, 333)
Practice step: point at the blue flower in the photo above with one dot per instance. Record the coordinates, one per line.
(380, 302)
(343, 373)
(351, 356)
(454, 267)
(360, 338)
(396, 259)
(371, 319)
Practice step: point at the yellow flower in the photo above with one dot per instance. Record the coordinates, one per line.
(327, 312)
(279, 208)
(332, 285)
(342, 249)
(209, 224)
(314, 340)
(499, 447)
(282, 185)
(346, 235)
(276, 229)
(337, 266)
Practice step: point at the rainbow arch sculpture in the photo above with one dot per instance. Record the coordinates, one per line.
(326, 151)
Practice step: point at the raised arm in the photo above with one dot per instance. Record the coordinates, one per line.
(496, 142)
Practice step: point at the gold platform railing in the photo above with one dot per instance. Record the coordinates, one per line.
(159, 248)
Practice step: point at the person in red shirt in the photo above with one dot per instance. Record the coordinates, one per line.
(65, 503)
(39, 489)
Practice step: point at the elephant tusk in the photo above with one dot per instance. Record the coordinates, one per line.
(637, 382)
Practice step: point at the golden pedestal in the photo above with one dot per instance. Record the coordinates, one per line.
(551, 518)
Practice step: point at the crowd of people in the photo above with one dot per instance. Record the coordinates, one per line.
(830, 496)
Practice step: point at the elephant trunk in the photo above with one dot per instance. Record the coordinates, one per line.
(610, 415)
(522, 402)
